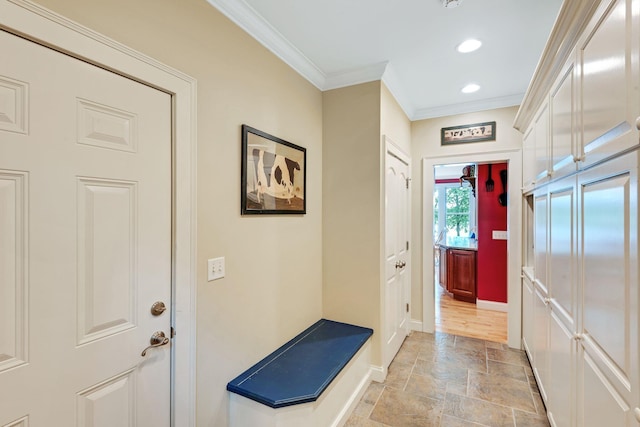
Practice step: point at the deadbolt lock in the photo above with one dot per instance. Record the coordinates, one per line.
(158, 308)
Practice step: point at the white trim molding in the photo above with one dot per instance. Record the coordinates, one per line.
(467, 107)
(416, 325)
(255, 25)
(40, 25)
(378, 373)
(492, 305)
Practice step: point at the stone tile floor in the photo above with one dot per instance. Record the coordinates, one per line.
(449, 381)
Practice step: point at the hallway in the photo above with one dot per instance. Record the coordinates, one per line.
(466, 319)
(446, 380)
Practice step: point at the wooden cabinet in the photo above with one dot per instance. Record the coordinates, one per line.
(461, 274)
(457, 272)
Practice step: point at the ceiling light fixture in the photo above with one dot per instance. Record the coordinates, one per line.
(469, 46)
(470, 88)
(451, 3)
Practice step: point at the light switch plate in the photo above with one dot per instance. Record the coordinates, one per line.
(500, 235)
(215, 268)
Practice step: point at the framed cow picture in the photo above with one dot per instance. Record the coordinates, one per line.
(274, 174)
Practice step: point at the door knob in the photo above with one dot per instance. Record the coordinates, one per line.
(636, 412)
(157, 339)
(400, 264)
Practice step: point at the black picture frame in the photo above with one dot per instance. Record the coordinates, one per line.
(273, 175)
(476, 132)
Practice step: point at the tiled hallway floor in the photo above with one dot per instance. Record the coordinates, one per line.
(450, 381)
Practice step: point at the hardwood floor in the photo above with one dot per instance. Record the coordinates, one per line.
(465, 319)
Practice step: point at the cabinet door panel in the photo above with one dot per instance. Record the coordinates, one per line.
(562, 123)
(540, 238)
(562, 250)
(561, 378)
(541, 342)
(609, 87)
(528, 323)
(462, 273)
(602, 405)
(528, 154)
(609, 266)
(541, 125)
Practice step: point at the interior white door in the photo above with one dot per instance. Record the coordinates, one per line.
(396, 323)
(85, 243)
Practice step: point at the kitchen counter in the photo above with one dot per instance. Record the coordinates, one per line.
(454, 242)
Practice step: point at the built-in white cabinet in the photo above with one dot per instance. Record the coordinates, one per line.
(608, 80)
(580, 291)
(592, 108)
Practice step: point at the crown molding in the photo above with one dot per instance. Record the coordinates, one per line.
(397, 89)
(467, 107)
(250, 21)
(355, 76)
(243, 15)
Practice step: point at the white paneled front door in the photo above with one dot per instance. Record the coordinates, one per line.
(397, 277)
(85, 243)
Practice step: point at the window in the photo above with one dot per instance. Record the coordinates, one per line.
(454, 211)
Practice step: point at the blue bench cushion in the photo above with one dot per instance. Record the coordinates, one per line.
(299, 371)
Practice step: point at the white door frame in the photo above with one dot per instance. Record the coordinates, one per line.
(514, 227)
(43, 26)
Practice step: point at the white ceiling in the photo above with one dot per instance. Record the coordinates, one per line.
(409, 44)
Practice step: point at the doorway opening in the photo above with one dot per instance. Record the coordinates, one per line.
(483, 315)
(467, 274)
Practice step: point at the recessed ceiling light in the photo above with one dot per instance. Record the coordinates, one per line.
(451, 3)
(470, 88)
(469, 46)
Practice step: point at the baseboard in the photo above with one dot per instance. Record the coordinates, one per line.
(492, 305)
(416, 325)
(378, 373)
(352, 402)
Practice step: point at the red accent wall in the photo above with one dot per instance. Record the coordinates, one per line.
(492, 254)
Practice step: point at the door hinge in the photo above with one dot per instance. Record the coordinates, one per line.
(407, 182)
(173, 332)
(407, 245)
(407, 307)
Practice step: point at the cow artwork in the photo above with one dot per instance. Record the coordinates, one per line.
(273, 174)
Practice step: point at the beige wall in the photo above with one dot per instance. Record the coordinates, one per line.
(355, 119)
(425, 142)
(351, 207)
(394, 123)
(273, 284)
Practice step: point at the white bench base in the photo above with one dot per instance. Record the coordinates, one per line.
(331, 409)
